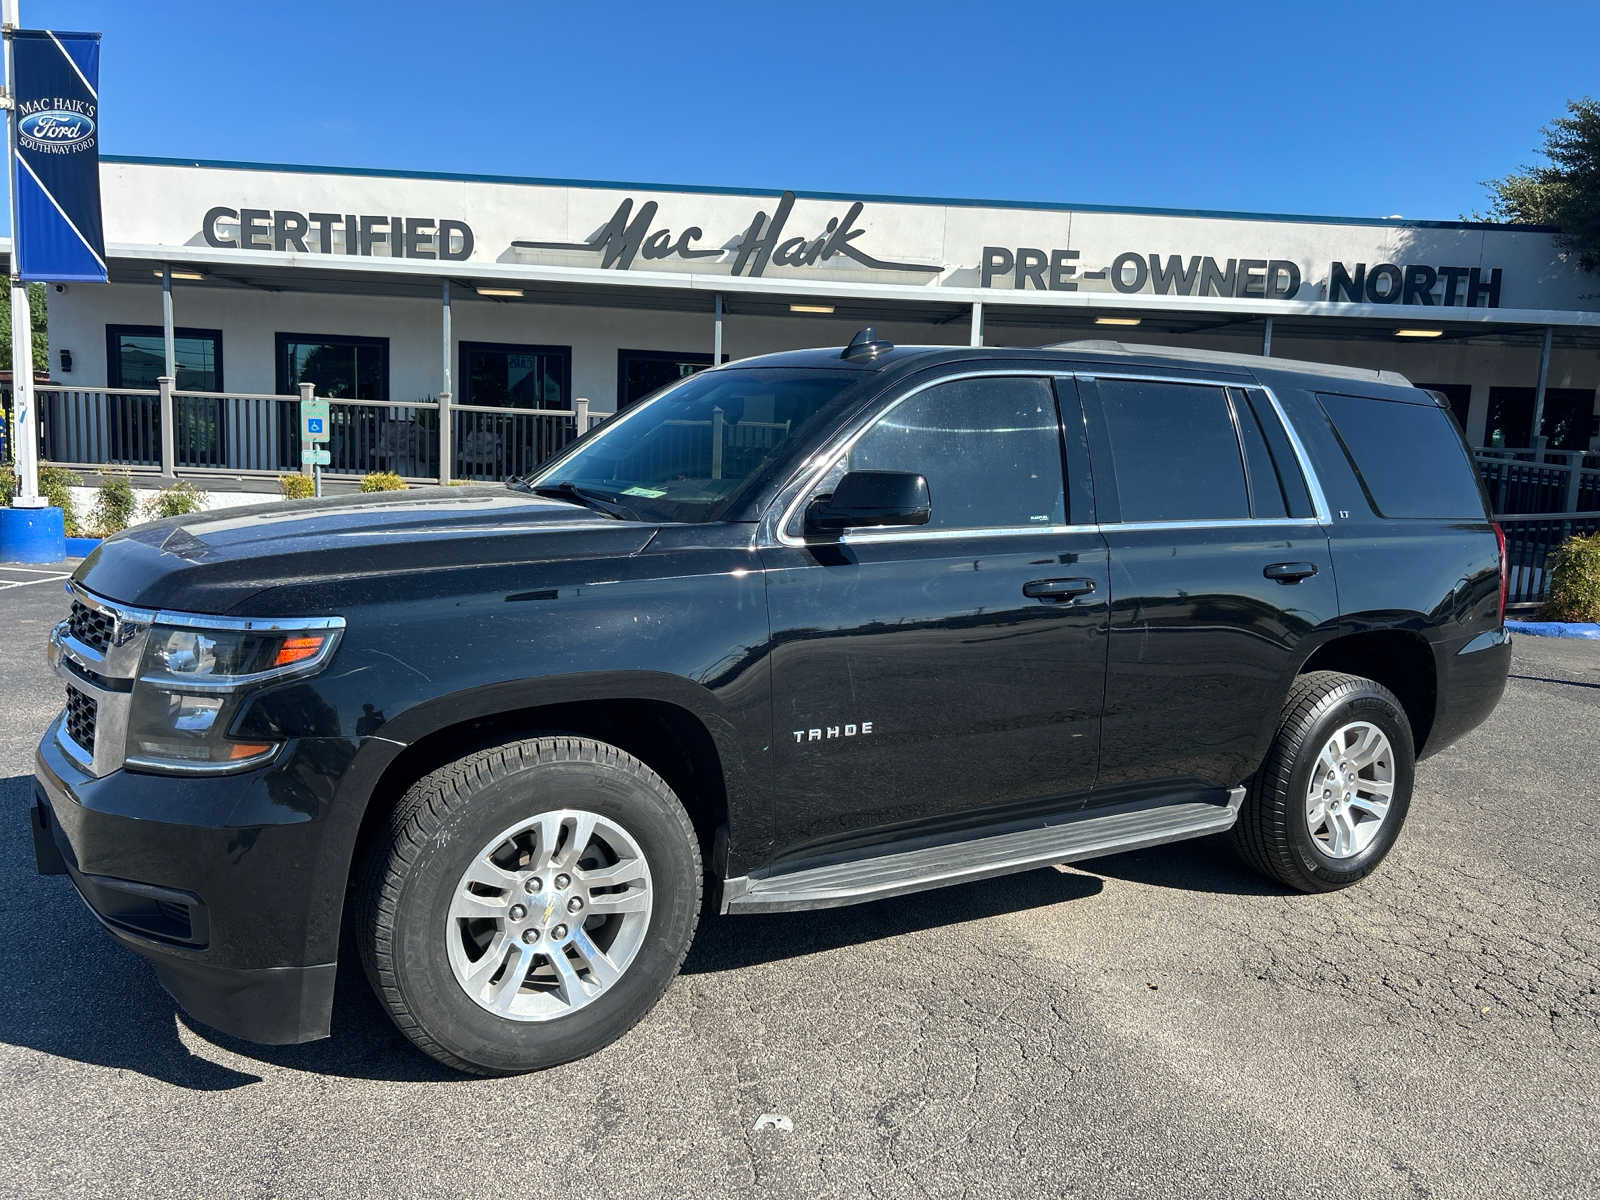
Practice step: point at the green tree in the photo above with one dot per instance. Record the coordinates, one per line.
(1564, 191)
(41, 339)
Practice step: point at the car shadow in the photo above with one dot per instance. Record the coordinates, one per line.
(67, 990)
(1206, 864)
(728, 943)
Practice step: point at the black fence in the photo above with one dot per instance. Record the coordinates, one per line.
(1529, 541)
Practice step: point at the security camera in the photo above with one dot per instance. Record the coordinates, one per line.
(60, 288)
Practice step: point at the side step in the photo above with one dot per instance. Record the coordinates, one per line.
(894, 873)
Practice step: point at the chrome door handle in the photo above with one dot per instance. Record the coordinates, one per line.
(1290, 572)
(1057, 589)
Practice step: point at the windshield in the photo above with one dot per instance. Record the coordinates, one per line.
(679, 455)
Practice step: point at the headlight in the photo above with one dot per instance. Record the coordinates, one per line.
(193, 680)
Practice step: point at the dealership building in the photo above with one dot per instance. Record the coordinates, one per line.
(465, 326)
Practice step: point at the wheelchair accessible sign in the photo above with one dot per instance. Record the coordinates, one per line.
(314, 430)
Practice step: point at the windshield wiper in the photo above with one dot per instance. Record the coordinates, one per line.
(588, 497)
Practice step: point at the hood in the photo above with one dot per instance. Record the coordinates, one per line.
(215, 562)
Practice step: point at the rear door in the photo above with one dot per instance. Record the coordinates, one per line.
(1220, 569)
(927, 675)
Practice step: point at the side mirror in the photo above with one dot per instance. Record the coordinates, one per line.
(871, 498)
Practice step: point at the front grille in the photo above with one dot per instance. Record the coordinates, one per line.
(93, 627)
(81, 712)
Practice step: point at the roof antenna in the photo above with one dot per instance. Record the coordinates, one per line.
(867, 344)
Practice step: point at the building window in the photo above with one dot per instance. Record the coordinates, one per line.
(498, 375)
(1568, 417)
(136, 357)
(641, 372)
(1458, 394)
(342, 368)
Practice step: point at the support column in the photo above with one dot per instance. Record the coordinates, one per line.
(166, 321)
(24, 416)
(716, 335)
(1536, 435)
(446, 420)
(977, 323)
(1266, 339)
(169, 427)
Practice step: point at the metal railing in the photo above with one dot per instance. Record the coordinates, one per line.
(256, 433)
(1530, 538)
(497, 443)
(1540, 498)
(1532, 482)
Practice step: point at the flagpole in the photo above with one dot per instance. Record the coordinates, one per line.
(24, 424)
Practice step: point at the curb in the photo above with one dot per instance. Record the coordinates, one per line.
(1557, 629)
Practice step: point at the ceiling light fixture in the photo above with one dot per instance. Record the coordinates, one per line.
(1117, 320)
(183, 275)
(1424, 333)
(824, 309)
(508, 293)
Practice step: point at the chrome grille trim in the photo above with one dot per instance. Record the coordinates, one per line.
(96, 651)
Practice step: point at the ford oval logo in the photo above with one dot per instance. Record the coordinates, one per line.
(56, 126)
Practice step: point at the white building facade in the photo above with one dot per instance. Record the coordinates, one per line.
(439, 309)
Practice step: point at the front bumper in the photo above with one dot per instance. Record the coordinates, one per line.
(231, 886)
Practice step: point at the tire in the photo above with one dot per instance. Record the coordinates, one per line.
(1279, 834)
(429, 954)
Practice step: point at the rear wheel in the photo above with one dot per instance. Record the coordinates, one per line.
(530, 904)
(1331, 797)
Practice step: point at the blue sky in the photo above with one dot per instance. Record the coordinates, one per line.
(1345, 108)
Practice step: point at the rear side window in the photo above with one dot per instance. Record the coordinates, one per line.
(1174, 450)
(1277, 486)
(1408, 457)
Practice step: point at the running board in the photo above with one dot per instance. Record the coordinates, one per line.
(981, 857)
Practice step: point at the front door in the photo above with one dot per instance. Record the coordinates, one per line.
(915, 678)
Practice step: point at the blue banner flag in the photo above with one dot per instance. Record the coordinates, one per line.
(55, 82)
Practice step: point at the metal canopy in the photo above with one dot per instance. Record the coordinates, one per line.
(1060, 316)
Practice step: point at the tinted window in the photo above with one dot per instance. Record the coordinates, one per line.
(681, 455)
(139, 358)
(1174, 450)
(1284, 461)
(342, 368)
(1409, 457)
(989, 448)
(1266, 491)
(495, 375)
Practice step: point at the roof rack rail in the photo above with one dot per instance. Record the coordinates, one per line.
(1233, 359)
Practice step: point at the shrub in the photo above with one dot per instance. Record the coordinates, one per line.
(182, 497)
(55, 484)
(1574, 580)
(296, 487)
(114, 504)
(382, 481)
(8, 484)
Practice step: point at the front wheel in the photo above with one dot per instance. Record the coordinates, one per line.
(530, 904)
(1333, 793)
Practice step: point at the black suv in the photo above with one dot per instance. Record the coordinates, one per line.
(799, 631)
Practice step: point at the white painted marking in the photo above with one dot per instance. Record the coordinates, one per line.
(16, 583)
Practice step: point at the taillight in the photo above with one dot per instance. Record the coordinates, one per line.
(1505, 570)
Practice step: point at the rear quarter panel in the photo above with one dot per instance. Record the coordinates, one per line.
(1437, 578)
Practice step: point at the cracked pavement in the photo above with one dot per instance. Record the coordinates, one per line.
(1157, 1024)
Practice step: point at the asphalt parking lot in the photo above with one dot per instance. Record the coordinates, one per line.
(1157, 1024)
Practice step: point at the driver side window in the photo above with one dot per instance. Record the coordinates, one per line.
(990, 449)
